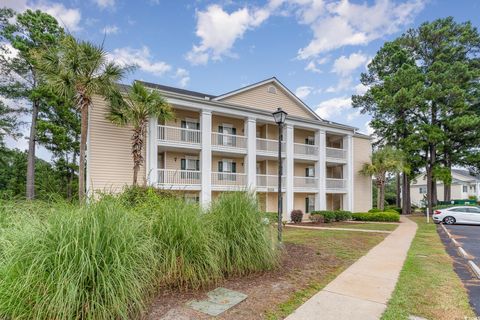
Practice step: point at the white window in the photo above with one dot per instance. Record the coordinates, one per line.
(465, 188)
(310, 171)
(272, 89)
(422, 190)
(309, 203)
(190, 167)
(310, 141)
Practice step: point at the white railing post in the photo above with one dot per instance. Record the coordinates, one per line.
(322, 165)
(206, 157)
(348, 146)
(151, 153)
(251, 131)
(289, 170)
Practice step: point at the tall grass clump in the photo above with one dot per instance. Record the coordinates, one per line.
(91, 262)
(244, 241)
(184, 248)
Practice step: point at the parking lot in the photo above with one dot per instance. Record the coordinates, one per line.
(468, 237)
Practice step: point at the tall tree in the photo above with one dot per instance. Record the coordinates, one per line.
(135, 108)
(84, 69)
(383, 161)
(22, 36)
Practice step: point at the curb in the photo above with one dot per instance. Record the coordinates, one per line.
(455, 242)
(463, 253)
(446, 231)
(475, 268)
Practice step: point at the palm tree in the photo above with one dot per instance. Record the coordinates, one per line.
(81, 69)
(383, 161)
(135, 109)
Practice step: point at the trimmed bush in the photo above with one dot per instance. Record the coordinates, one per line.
(377, 216)
(328, 216)
(373, 210)
(93, 262)
(244, 244)
(316, 217)
(296, 216)
(342, 215)
(393, 208)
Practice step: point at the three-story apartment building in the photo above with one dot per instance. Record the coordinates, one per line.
(230, 142)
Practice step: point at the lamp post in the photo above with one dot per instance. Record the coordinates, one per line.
(279, 116)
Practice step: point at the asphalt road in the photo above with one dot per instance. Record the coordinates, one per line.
(469, 238)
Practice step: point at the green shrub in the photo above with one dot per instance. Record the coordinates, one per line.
(374, 210)
(93, 262)
(316, 217)
(328, 216)
(244, 243)
(271, 216)
(184, 244)
(376, 216)
(342, 215)
(296, 216)
(393, 209)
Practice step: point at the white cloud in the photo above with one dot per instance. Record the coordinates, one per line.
(344, 66)
(218, 30)
(360, 89)
(67, 17)
(102, 4)
(140, 57)
(113, 29)
(312, 65)
(343, 84)
(333, 107)
(303, 91)
(367, 128)
(342, 23)
(183, 77)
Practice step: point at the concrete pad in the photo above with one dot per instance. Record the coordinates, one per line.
(333, 306)
(219, 300)
(363, 290)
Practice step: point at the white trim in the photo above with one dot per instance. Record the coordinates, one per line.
(276, 82)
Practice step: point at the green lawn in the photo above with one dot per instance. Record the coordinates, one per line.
(366, 226)
(428, 286)
(336, 251)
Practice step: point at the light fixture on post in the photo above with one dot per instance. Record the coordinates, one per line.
(280, 116)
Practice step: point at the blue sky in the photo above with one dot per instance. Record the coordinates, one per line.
(317, 48)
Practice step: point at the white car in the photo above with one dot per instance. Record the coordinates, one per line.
(464, 214)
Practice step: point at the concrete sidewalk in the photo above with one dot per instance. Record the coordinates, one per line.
(363, 290)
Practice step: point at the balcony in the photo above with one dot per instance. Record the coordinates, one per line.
(305, 151)
(229, 142)
(179, 179)
(179, 136)
(302, 183)
(335, 184)
(228, 181)
(267, 146)
(336, 154)
(267, 182)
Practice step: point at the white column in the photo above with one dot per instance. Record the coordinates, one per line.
(348, 171)
(251, 133)
(320, 170)
(206, 157)
(289, 171)
(152, 153)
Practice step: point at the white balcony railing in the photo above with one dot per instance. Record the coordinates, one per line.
(269, 181)
(228, 140)
(268, 145)
(305, 149)
(229, 179)
(177, 134)
(178, 177)
(335, 153)
(305, 182)
(338, 184)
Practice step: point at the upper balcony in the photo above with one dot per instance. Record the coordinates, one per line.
(268, 147)
(269, 182)
(335, 180)
(177, 136)
(335, 151)
(173, 179)
(229, 142)
(304, 146)
(305, 184)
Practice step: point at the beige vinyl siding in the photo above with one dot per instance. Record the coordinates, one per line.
(182, 114)
(299, 168)
(259, 98)
(235, 122)
(173, 159)
(362, 187)
(299, 135)
(272, 167)
(262, 165)
(335, 172)
(110, 164)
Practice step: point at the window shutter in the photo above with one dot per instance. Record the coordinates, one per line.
(307, 141)
(184, 124)
(307, 203)
(198, 164)
(183, 164)
(306, 172)
(220, 129)
(234, 131)
(220, 166)
(198, 125)
(234, 167)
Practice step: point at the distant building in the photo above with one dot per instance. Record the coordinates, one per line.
(464, 185)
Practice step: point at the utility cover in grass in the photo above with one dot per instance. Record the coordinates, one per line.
(219, 300)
